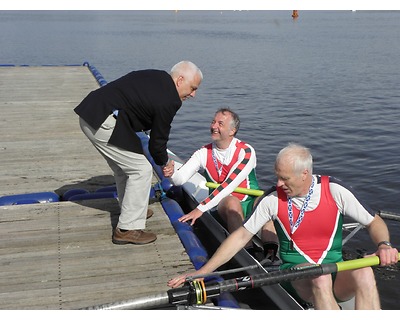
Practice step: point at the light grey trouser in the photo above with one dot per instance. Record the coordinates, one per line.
(132, 173)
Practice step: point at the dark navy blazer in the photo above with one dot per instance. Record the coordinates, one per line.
(146, 100)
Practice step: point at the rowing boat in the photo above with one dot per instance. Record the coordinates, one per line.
(211, 233)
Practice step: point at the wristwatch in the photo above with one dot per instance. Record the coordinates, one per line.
(387, 243)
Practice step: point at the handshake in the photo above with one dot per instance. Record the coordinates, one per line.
(168, 169)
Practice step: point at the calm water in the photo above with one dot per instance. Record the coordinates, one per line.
(329, 80)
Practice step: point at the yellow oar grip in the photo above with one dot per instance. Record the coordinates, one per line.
(251, 192)
(358, 263)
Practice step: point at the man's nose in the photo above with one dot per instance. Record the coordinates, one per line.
(280, 183)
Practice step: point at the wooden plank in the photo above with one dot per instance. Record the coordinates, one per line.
(56, 253)
(60, 255)
(42, 147)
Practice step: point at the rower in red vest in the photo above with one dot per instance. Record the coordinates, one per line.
(231, 163)
(308, 211)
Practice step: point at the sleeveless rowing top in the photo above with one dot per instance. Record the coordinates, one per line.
(318, 239)
(218, 173)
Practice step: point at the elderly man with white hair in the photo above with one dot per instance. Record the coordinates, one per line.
(110, 117)
(308, 210)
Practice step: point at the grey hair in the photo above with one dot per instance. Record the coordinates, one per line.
(299, 156)
(186, 68)
(235, 123)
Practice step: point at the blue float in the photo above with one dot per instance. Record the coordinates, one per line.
(29, 198)
(94, 195)
(107, 189)
(73, 192)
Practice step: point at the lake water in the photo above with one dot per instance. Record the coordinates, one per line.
(328, 80)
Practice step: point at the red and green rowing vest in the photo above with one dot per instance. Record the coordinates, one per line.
(318, 239)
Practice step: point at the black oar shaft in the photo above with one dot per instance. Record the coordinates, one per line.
(260, 280)
(196, 293)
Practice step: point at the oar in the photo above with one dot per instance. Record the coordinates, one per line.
(251, 192)
(389, 216)
(257, 193)
(196, 292)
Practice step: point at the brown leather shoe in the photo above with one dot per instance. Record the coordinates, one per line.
(133, 236)
(149, 213)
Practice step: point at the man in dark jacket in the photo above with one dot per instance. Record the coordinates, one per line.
(110, 117)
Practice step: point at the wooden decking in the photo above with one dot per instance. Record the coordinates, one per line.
(60, 255)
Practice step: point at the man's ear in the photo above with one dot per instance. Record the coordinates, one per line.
(179, 81)
(304, 174)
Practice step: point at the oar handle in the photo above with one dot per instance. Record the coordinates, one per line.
(358, 263)
(251, 192)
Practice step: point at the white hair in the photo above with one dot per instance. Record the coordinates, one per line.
(299, 156)
(186, 68)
